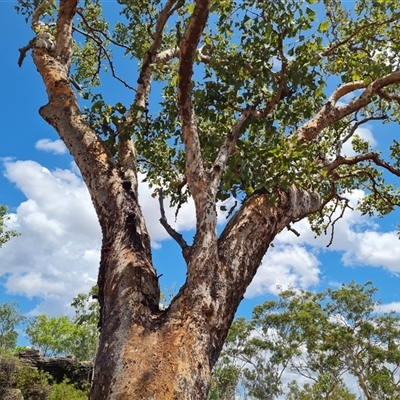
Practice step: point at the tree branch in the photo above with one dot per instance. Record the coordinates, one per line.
(254, 226)
(194, 163)
(389, 96)
(353, 129)
(227, 148)
(331, 50)
(66, 15)
(23, 51)
(171, 231)
(372, 156)
(169, 54)
(330, 113)
(39, 10)
(126, 149)
(105, 52)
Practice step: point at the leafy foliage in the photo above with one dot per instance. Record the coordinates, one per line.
(33, 383)
(5, 234)
(311, 392)
(319, 336)
(10, 317)
(277, 60)
(66, 391)
(62, 335)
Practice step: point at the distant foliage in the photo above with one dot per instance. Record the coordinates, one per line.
(320, 337)
(10, 317)
(66, 391)
(5, 234)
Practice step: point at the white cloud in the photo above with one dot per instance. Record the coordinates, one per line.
(359, 239)
(283, 267)
(57, 254)
(389, 307)
(365, 134)
(51, 146)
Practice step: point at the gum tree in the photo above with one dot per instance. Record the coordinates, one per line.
(245, 100)
(321, 338)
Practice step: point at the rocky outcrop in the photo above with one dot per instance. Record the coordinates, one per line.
(59, 368)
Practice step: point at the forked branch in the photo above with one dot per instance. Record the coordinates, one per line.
(331, 113)
(371, 156)
(126, 150)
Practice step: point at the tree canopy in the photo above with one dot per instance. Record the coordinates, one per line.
(322, 339)
(10, 317)
(250, 102)
(260, 83)
(65, 336)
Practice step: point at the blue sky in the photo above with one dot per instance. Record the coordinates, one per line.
(57, 254)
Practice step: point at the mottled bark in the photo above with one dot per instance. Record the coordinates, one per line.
(145, 352)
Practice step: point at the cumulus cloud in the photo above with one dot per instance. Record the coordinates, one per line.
(58, 252)
(360, 239)
(51, 146)
(389, 307)
(285, 266)
(293, 262)
(364, 133)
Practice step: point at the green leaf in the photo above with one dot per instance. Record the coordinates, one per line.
(191, 9)
(323, 26)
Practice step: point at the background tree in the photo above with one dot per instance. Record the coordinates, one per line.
(321, 337)
(252, 101)
(10, 317)
(62, 335)
(313, 392)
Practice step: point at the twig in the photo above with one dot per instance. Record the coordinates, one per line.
(353, 130)
(92, 29)
(171, 231)
(23, 51)
(103, 49)
(289, 228)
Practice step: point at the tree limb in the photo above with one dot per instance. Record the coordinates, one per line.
(66, 15)
(227, 148)
(23, 51)
(126, 149)
(39, 10)
(171, 231)
(353, 129)
(254, 226)
(194, 163)
(331, 50)
(105, 52)
(389, 96)
(372, 156)
(330, 113)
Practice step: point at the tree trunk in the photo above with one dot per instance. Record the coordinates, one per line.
(144, 352)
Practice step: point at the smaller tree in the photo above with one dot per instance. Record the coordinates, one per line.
(62, 335)
(321, 337)
(5, 234)
(316, 392)
(10, 317)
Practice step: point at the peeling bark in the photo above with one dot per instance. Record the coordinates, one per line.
(145, 352)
